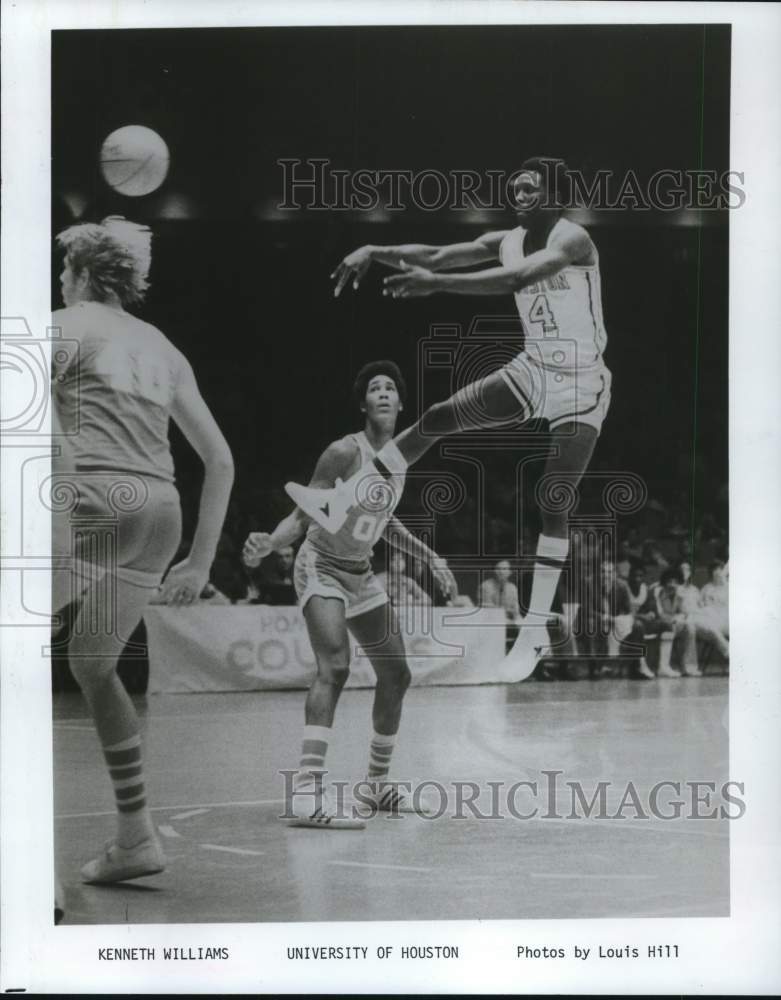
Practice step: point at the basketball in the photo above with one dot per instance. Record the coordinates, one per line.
(134, 160)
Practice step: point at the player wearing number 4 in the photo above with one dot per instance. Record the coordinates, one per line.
(340, 595)
(551, 266)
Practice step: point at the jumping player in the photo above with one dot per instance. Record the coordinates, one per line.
(551, 266)
(339, 594)
(116, 383)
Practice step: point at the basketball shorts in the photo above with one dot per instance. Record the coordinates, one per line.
(560, 397)
(318, 574)
(113, 522)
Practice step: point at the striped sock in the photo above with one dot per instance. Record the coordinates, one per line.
(380, 753)
(313, 750)
(548, 564)
(127, 777)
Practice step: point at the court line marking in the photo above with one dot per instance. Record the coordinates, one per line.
(370, 864)
(187, 815)
(230, 850)
(168, 831)
(193, 805)
(582, 875)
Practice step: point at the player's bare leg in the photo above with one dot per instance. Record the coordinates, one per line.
(379, 636)
(99, 636)
(572, 445)
(327, 629)
(486, 403)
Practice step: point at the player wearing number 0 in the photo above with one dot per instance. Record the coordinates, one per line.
(551, 266)
(340, 595)
(116, 383)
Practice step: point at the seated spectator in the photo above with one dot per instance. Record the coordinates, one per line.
(638, 589)
(670, 605)
(687, 591)
(498, 591)
(606, 619)
(712, 617)
(653, 560)
(401, 588)
(274, 581)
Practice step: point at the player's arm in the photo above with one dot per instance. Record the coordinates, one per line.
(401, 538)
(435, 258)
(573, 247)
(195, 420)
(333, 464)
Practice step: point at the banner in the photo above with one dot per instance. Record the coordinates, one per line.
(255, 647)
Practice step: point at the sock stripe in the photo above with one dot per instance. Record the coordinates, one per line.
(314, 747)
(127, 771)
(116, 758)
(129, 792)
(131, 807)
(550, 562)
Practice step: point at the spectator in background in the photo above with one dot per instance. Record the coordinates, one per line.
(226, 574)
(712, 617)
(688, 593)
(499, 591)
(653, 560)
(638, 590)
(274, 580)
(671, 614)
(402, 590)
(617, 619)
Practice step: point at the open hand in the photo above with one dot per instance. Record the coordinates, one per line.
(414, 282)
(183, 583)
(353, 267)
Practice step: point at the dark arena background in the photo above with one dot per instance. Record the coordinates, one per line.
(241, 286)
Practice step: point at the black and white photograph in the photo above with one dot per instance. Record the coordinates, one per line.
(371, 497)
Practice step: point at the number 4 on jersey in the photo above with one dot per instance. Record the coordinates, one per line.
(541, 312)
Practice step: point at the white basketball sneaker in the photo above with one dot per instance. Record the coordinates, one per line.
(311, 807)
(119, 864)
(328, 508)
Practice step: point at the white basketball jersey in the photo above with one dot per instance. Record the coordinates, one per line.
(562, 314)
(365, 524)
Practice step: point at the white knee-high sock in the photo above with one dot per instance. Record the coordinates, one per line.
(549, 562)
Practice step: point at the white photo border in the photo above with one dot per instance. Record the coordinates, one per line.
(739, 954)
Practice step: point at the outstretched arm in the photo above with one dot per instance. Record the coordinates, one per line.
(356, 264)
(186, 580)
(403, 539)
(415, 282)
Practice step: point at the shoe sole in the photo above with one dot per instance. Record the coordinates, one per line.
(334, 824)
(132, 873)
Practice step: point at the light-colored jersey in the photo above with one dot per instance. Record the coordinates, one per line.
(114, 381)
(562, 314)
(355, 540)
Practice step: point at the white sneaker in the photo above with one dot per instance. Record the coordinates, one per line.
(645, 671)
(391, 799)
(667, 672)
(119, 864)
(529, 648)
(692, 672)
(317, 809)
(328, 508)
